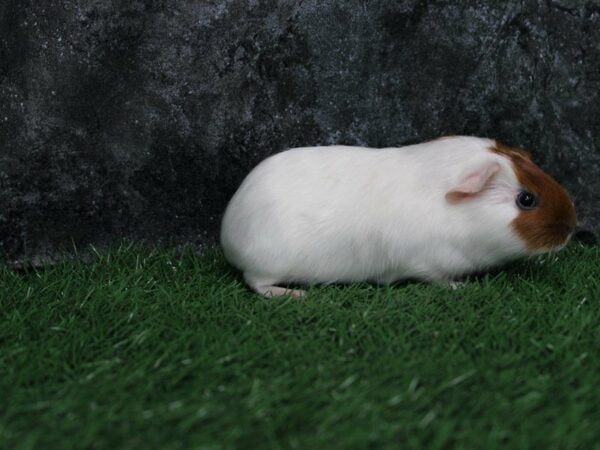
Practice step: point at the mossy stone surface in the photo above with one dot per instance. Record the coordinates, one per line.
(139, 119)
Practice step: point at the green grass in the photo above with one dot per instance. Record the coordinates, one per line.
(142, 350)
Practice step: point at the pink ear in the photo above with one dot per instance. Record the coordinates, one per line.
(473, 183)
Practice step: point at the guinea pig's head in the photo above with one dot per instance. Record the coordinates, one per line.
(546, 216)
(539, 210)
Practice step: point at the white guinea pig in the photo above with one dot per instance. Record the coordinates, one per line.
(431, 211)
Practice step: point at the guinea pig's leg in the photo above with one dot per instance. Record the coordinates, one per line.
(449, 284)
(265, 286)
(454, 285)
(276, 291)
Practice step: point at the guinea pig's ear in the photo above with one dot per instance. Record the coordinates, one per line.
(473, 182)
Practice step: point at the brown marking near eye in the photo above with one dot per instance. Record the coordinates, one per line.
(550, 224)
(511, 151)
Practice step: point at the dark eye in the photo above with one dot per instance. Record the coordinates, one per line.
(526, 200)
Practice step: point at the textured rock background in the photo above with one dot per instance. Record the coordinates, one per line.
(138, 119)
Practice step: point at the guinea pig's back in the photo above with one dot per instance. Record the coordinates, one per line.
(315, 203)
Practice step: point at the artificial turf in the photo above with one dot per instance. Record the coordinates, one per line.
(143, 349)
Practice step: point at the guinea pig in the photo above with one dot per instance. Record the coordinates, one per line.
(434, 211)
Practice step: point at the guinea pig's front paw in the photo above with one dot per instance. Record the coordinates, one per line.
(454, 285)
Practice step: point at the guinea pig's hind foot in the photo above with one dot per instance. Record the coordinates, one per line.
(454, 285)
(265, 285)
(276, 291)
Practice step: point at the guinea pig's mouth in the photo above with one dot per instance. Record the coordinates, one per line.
(559, 235)
(554, 236)
(564, 228)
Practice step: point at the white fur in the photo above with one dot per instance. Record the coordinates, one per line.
(344, 214)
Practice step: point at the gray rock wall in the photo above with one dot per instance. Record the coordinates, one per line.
(138, 119)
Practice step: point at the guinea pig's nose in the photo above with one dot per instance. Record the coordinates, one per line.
(567, 228)
(563, 229)
(584, 236)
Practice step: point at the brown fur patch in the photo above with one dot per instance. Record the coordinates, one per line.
(550, 224)
(511, 152)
